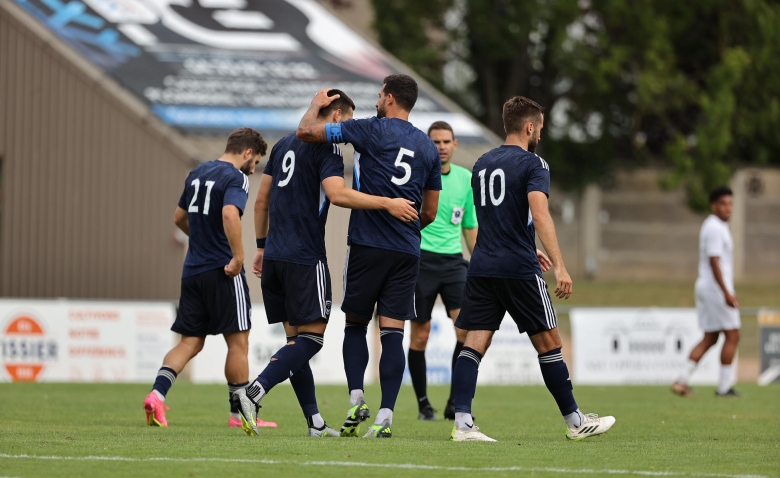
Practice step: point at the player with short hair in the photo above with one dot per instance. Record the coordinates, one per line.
(716, 302)
(392, 159)
(511, 186)
(298, 185)
(214, 294)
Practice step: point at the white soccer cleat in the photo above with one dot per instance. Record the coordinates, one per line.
(592, 425)
(472, 434)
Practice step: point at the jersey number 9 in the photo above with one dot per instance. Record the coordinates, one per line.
(288, 166)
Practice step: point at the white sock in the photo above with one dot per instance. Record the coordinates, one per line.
(235, 416)
(464, 421)
(159, 395)
(317, 421)
(354, 395)
(690, 367)
(726, 378)
(382, 415)
(574, 419)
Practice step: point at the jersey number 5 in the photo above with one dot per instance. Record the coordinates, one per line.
(399, 163)
(194, 207)
(498, 173)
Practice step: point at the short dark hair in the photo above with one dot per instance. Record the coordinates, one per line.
(518, 111)
(403, 88)
(719, 192)
(441, 125)
(246, 138)
(343, 102)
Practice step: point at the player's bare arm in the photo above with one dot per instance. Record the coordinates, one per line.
(543, 222)
(262, 204)
(731, 300)
(342, 196)
(231, 221)
(470, 235)
(309, 129)
(181, 220)
(430, 205)
(544, 261)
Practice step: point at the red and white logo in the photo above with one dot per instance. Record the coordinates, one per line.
(25, 348)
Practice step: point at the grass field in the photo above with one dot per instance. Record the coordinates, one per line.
(99, 430)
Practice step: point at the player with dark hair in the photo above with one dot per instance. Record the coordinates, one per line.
(511, 185)
(716, 302)
(392, 159)
(298, 185)
(214, 294)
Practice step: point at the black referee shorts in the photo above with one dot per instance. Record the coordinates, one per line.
(381, 278)
(295, 293)
(212, 303)
(440, 274)
(487, 299)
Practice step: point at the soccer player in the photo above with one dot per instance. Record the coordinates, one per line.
(298, 184)
(214, 294)
(442, 267)
(392, 159)
(716, 301)
(511, 186)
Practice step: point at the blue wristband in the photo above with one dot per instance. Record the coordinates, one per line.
(261, 243)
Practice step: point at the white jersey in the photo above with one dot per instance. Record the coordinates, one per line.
(715, 241)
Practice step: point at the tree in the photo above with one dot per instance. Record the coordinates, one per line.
(693, 86)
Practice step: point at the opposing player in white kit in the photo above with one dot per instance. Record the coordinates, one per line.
(716, 301)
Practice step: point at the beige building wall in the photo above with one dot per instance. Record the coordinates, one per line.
(89, 181)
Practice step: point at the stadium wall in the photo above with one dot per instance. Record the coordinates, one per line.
(89, 179)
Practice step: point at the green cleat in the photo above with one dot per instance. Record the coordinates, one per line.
(355, 415)
(379, 431)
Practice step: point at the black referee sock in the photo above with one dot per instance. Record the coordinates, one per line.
(418, 370)
(455, 354)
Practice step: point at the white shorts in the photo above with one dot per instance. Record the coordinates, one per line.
(714, 314)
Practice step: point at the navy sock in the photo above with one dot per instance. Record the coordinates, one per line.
(556, 377)
(391, 364)
(288, 360)
(355, 351)
(302, 383)
(455, 355)
(232, 387)
(417, 370)
(166, 376)
(464, 379)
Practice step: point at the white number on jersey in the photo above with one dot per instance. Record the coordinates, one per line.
(495, 200)
(288, 166)
(399, 163)
(194, 207)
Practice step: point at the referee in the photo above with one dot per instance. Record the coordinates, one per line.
(442, 267)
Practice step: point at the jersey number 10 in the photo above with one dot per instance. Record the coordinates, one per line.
(498, 173)
(194, 207)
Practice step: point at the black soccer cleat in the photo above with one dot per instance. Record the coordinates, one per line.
(449, 411)
(427, 414)
(730, 393)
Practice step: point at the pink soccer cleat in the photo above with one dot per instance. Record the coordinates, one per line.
(236, 423)
(155, 411)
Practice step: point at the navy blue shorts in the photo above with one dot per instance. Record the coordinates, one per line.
(440, 274)
(212, 303)
(379, 278)
(295, 293)
(487, 299)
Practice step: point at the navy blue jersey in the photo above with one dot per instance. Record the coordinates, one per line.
(209, 188)
(299, 206)
(506, 243)
(395, 160)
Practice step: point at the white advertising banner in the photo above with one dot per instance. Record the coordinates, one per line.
(614, 346)
(264, 340)
(510, 360)
(83, 341)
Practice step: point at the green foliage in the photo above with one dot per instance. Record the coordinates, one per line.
(693, 86)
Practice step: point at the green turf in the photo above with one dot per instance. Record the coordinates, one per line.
(655, 431)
